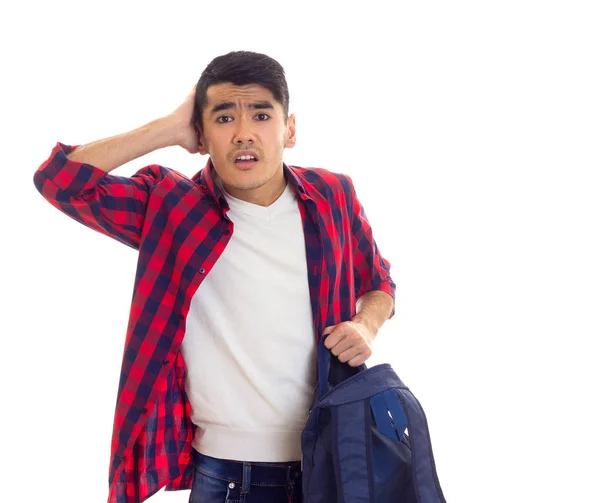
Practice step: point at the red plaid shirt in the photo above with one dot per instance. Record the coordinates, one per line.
(180, 228)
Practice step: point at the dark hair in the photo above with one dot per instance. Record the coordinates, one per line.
(241, 68)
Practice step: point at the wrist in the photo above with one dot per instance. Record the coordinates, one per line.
(364, 320)
(170, 130)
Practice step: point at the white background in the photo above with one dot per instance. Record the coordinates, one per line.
(471, 131)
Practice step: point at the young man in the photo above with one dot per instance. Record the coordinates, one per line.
(241, 270)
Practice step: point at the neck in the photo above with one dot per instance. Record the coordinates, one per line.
(265, 195)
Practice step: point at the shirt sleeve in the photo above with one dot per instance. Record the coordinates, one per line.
(371, 269)
(112, 205)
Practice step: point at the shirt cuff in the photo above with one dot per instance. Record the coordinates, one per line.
(69, 176)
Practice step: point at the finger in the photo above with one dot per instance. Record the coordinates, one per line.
(343, 344)
(330, 339)
(337, 334)
(349, 354)
(357, 360)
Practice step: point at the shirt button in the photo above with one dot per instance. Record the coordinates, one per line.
(226, 232)
(165, 362)
(181, 316)
(231, 485)
(202, 270)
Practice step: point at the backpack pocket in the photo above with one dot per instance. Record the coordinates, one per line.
(389, 448)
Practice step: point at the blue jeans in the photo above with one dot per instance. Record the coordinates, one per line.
(229, 481)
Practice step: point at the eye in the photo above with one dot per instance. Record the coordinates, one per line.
(267, 116)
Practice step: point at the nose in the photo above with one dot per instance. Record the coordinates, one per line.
(243, 132)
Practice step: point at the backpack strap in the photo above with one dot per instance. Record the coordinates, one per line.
(331, 370)
(350, 453)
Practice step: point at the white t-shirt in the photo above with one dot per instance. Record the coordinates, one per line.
(250, 342)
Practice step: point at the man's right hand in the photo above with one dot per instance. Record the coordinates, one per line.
(181, 120)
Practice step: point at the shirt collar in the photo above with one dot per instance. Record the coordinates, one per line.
(206, 181)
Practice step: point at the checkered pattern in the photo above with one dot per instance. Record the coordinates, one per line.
(180, 228)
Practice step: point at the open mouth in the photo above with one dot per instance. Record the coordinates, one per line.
(245, 161)
(245, 164)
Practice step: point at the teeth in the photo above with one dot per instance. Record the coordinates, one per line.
(246, 157)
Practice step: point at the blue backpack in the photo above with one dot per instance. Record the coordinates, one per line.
(354, 445)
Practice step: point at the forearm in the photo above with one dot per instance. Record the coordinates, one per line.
(110, 153)
(373, 309)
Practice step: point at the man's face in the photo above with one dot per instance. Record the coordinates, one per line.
(253, 121)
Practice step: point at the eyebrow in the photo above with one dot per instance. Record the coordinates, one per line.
(258, 105)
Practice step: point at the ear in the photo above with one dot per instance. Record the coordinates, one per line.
(202, 150)
(291, 132)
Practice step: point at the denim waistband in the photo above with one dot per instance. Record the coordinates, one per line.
(249, 472)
